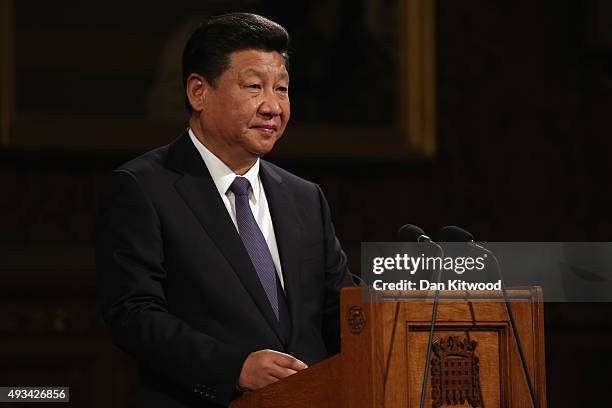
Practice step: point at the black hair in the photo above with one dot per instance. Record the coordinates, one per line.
(208, 49)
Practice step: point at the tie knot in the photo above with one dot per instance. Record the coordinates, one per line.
(240, 186)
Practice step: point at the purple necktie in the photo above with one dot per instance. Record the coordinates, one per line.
(258, 251)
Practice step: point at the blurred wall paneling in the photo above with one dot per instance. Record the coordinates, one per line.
(98, 80)
(7, 69)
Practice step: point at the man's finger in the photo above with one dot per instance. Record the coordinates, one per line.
(287, 361)
(279, 372)
(298, 365)
(294, 364)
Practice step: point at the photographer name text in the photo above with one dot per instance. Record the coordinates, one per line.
(423, 284)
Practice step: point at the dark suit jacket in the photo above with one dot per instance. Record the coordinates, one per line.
(178, 290)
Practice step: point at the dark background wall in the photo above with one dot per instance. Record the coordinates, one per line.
(524, 94)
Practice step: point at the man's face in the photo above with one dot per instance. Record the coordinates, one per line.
(247, 111)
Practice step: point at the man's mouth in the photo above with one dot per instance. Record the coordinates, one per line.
(265, 128)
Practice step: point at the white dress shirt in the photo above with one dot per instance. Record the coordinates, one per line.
(223, 177)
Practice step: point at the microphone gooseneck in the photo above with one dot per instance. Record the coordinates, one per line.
(452, 233)
(412, 233)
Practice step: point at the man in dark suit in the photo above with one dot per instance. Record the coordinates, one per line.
(219, 271)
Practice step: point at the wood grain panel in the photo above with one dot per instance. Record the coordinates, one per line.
(405, 330)
(490, 350)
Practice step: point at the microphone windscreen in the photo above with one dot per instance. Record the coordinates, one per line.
(452, 233)
(410, 233)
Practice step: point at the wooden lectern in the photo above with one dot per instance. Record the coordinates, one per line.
(475, 359)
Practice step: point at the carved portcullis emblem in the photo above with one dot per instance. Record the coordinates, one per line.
(356, 319)
(455, 372)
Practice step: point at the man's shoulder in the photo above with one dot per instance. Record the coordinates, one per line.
(149, 171)
(147, 163)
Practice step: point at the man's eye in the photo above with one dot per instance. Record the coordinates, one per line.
(283, 89)
(254, 86)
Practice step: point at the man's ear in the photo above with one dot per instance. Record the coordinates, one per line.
(196, 89)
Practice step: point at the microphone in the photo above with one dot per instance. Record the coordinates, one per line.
(453, 233)
(412, 233)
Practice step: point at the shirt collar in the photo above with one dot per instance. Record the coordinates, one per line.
(222, 175)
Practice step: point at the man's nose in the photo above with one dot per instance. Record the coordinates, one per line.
(270, 106)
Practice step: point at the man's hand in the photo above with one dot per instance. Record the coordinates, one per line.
(264, 367)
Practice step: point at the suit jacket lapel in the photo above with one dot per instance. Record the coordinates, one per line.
(198, 190)
(287, 228)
